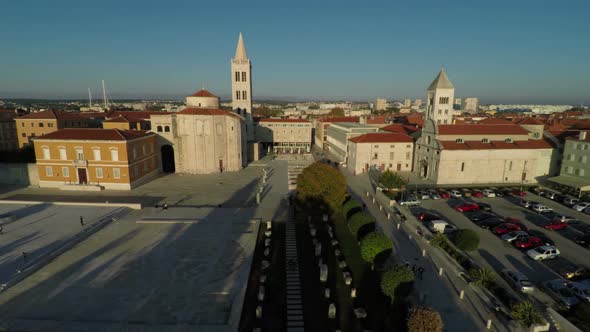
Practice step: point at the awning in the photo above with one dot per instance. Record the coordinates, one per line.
(571, 181)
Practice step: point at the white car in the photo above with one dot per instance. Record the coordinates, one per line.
(541, 208)
(581, 206)
(488, 193)
(514, 236)
(543, 253)
(455, 194)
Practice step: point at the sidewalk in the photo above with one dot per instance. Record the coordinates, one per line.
(469, 314)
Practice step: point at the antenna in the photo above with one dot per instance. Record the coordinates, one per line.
(104, 95)
(89, 98)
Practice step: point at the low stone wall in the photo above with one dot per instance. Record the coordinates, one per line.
(562, 323)
(134, 206)
(19, 174)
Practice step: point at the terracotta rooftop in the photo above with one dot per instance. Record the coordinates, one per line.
(400, 128)
(283, 120)
(382, 138)
(497, 145)
(203, 93)
(120, 118)
(473, 129)
(340, 119)
(94, 134)
(207, 111)
(496, 121)
(529, 121)
(53, 115)
(134, 115)
(377, 119)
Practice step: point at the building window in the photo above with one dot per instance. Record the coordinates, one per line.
(48, 171)
(446, 112)
(485, 140)
(392, 146)
(243, 76)
(238, 95)
(376, 146)
(536, 135)
(41, 125)
(237, 76)
(65, 172)
(584, 159)
(136, 171)
(96, 154)
(408, 155)
(114, 154)
(50, 125)
(439, 112)
(116, 173)
(32, 124)
(462, 166)
(438, 121)
(244, 96)
(166, 129)
(443, 100)
(585, 147)
(391, 154)
(145, 167)
(569, 170)
(80, 154)
(510, 166)
(134, 152)
(99, 172)
(459, 140)
(581, 172)
(572, 157)
(159, 129)
(46, 154)
(22, 124)
(24, 134)
(508, 140)
(375, 155)
(445, 121)
(62, 153)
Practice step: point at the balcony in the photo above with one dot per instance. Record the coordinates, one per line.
(80, 163)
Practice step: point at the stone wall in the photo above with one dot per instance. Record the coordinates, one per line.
(19, 174)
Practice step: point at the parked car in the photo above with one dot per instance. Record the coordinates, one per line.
(433, 194)
(489, 193)
(423, 195)
(467, 206)
(536, 190)
(514, 236)
(586, 210)
(558, 290)
(505, 192)
(581, 206)
(518, 281)
(582, 290)
(544, 238)
(477, 193)
(427, 216)
(583, 240)
(528, 242)
(409, 201)
(570, 201)
(552, 195)
(555, 225)
(525, 203)
(479, 216)
(443, 193)
(491, 223)
(543, 253)
(484, 206)
(507, 228)
(518, 192)
(563, 218)
(455, 194)
(541, 208)
(575, 273)
(466, 193)
(441, 226)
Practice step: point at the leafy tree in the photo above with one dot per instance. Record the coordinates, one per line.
(350, 207)
(422, 319)
(391, 180)
(321, 183)
(526, 313)
(397, 281)
(483, 277)
(466, 240)
(336, 111)
(373, 245)
(358, 221)
(266, 112)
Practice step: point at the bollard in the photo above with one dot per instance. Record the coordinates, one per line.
(398, 225)
(353, 293)
(388, 216)
(423, 252)
(327, 293)
(259, 312)
(373, 200)
(380, 207)
(440, 271)
(268, 224)
(367, 194)
(462, 294)
(489, 324)
(332, 311)
(257, 198)
(410, 237)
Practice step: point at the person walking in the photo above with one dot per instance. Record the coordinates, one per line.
(81, 221)
(420, 272)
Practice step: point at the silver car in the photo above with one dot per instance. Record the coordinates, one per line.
(518, 281)
(514, 236)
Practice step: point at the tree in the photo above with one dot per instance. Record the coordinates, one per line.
(336, 111)
(321, 183)
(374, 244)
(397, 281)
(466, 240)
(266, 112)
(526, 313)
(483, 277)
(391, 180)
(422, 319)
(351, 207)
(359, 221)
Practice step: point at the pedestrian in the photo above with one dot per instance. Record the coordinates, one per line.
(420, 272)
(81, 221)
(407, 265)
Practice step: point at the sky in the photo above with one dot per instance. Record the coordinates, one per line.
(499, 51)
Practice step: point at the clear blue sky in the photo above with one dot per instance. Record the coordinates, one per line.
(500, 51)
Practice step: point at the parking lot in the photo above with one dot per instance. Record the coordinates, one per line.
(39, 229)
(499, 254)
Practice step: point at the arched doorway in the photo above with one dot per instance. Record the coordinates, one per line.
(424, 172)
(168, 165)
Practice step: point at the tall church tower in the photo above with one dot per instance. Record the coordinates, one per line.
(241, 86)
(440, 99)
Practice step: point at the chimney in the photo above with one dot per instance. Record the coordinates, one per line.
(582, 135)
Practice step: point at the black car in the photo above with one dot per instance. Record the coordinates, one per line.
(479, 216)
(583, 240)
(491, 223)
(546, 240)
(484, 206)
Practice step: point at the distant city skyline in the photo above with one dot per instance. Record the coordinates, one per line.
(501, 52)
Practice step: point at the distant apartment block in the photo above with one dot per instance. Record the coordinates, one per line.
(8, 133)
(575, 165)
(470, 104)
(380, 104)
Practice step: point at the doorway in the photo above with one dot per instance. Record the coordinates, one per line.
(220, 165)
(425, 170)
(82, 177)
(168, 165)
(399, 167)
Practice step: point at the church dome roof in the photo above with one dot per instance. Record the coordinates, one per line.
(203, 93)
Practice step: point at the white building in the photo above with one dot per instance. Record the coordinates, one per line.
(339, 133)
(470, 104)
(382, 150)
(380, 104)
(439, 99)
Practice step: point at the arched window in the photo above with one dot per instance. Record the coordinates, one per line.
(159, 129)
(485, 140)
(508, 140)
(459, 140)
(167, 129)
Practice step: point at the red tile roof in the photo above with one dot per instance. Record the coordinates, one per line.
(473, 129)
(400, 128)
(378, 119)
(203, 93)
(52, 114)
(497, 145)
(283, 120)
(119, 119)
(207, 111)
(529, 121)
(94, 134)
(382, 138)
(495, 121)
(135, 115)
(340, 119)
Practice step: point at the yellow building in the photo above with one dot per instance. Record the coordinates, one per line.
(41, 123)
(92, 159)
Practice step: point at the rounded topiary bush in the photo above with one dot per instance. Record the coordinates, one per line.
(358, 221)
(422, 319)
(466, 240)
(375, 244)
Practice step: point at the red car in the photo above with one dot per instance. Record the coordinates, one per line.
(443, 194)
(555, 225)
(425, 216)
(507, 228)
(477, 193)
(529, 242)
(466, 207)
(518, 192)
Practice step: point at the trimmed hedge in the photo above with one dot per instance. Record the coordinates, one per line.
(359, 221)
(352, 206)
(374, 244)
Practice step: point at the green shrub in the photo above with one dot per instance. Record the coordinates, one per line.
(526, 313)
(358, 221)
(374, 244)
(466, 240)
(483, 277)
(439, 240)
(397, 281)
(391, 180)
(422, 319)
(351, 207)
